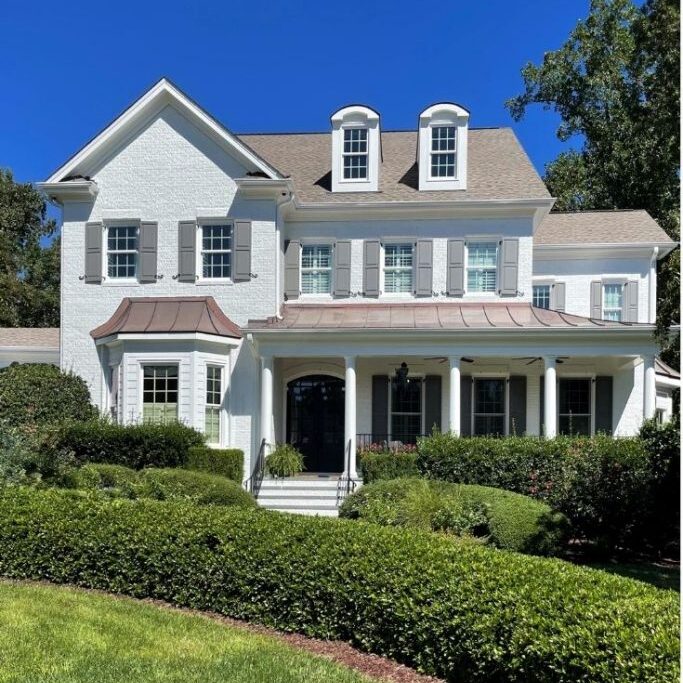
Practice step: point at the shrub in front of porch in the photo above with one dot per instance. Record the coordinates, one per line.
(377, 464)
(228, 462)
(453, 609)
(504, 519)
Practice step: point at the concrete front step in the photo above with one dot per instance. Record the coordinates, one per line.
(306, 495)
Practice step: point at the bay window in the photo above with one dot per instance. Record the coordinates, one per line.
(160, 393)
(398, 268)
(482, 264)
(316, 269)
(489, 407)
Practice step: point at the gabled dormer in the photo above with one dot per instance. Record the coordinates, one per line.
(355, 149)
(442, 147)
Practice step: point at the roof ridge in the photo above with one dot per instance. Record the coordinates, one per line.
(327, 132)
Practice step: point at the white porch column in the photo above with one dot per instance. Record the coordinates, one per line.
(649, 387)
(266, 400)
(454, 396)
(350, 417)
(550, 398)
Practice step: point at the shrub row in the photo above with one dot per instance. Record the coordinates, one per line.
(508, 520)
(202, 488)
(375, 466)
(453, 609)
(227, 462)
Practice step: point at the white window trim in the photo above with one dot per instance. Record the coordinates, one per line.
(398, 241)
(612, 281)
(119, 281)
(506, 418)
(313, 242)
(574, 375)
(549, 285)
(220, 405)
(423, 399)
(481, 240)
(454, 151)
(199, 266)
(355, 126)
(142, 363)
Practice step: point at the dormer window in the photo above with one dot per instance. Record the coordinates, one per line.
(356, 152)
(442, 147)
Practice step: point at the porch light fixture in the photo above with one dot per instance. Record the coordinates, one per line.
(401, 377)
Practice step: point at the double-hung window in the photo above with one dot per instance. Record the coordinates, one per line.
(316, 269)
(216, 251)
(612, 300)
(575, 407)
(406, 409)
(398, 268)
(122, 252)
(541, 296)
(160, 393)
(355, 154)
(482, 263)
(212, 411)
(489, 407)
(443, 152)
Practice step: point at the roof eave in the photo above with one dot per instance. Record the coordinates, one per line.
(72, 190)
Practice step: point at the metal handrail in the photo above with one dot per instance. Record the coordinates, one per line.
(346, 485)
(253, 484)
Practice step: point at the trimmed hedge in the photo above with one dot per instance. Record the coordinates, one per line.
(136, 446)
(228, 462)
(376, 466)
(202, 488)
(453, 609)
(512, 521)
(39, 393)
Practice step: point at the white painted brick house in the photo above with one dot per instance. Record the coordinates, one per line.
(268, 288)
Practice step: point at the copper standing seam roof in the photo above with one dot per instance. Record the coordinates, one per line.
(24, 337)
(661, 368)
(173, 314)
(438, 316)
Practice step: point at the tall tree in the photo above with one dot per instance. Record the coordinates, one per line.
(29, 272)
(616, 86)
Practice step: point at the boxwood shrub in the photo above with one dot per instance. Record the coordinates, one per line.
(453, 609)
(389, 465)
(510, 520)
(136, 445)
(228, 462)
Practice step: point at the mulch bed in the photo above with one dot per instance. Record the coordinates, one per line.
(373, 666)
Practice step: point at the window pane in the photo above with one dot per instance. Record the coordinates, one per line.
(407, 397)
(443, 165)
(212, 424)
(542, 296)
(489, 425)
(575, 396)
(316, 282)
(356, 166)
(216, 251)
(406, 428)
(160, 393)
(575, 425)
(482, 254)
(443, 138)
(489, 407)
(612, 296)
(398, 282)
(398, 255)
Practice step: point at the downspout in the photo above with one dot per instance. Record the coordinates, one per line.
(652, 287)
(285, 198)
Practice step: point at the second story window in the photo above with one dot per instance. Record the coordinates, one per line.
(443, 152)
(216, 251)
(482, 263)
(355, 154)
(122, 252)
(316, 269)
(542, 296)
(398, 268)
(612, 300)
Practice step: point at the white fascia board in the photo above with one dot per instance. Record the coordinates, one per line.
(667, 382)
(73, 190)
(258, 188)
(616, 250)
(167, 337)
(158, 96)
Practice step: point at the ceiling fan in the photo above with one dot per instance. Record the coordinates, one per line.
(443, 359)
(533, 359)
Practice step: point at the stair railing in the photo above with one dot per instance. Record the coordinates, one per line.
(253, 484)
(346, 485)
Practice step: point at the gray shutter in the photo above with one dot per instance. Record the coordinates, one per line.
(423, 268)
(380, 407)
(342, 268)
(93, 252)
(509, 262)
(187, 245)
(558, 296)
(148, 252)
(292, 262)
(541, 404)
(629, 303)
(466, 405)
(596, 299)
(517, 402)
(432, 403)
(455, 284)
(603, 404)
(371, 266)
(241, 267)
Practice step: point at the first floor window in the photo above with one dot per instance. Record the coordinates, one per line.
(482, 262)
(489, 407)
(355, 154)
(316, 269)
(160, 393)
(406, 409)
(542, 296)
(216, 251)
(114, 383)
(398, 268)
(212, 414)
(122, 251)
(443, 152)
(612, 298)
(575, 407)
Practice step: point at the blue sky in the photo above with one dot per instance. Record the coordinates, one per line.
(267, 66)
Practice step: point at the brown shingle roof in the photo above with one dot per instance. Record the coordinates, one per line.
(661, 368)
(426, 316)
(600, 227)
(168, 315)
(498, 167)
(38, 337)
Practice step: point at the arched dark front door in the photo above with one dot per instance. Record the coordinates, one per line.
(315, 421)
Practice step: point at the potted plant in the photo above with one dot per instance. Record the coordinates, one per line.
(284, 461)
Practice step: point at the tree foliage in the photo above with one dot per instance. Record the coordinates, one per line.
(29, 272)
(616, 85)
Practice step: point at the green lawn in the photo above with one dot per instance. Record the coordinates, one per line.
(56, 634)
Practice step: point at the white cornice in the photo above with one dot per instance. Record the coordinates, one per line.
(167, 337)
(264, 188)
(71, 190)
(618, 250)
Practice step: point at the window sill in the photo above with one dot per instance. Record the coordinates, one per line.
(213, 281)
(121, 283)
